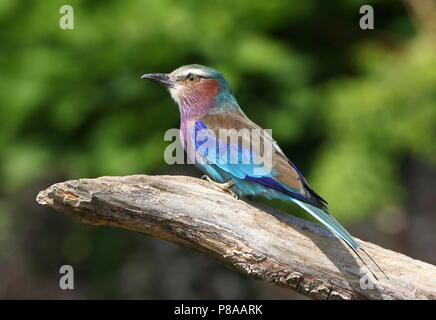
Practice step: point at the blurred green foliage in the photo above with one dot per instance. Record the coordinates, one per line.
(347, 105)
(373, 123)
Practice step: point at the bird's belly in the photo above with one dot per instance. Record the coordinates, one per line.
(243, 188)
(214, 172)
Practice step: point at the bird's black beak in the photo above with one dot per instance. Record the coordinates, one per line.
(161, 78)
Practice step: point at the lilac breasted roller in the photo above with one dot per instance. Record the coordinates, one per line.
(207, 107)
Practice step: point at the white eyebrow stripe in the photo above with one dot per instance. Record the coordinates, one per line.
(186, 72)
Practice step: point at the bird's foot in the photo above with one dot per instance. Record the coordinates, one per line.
(226, 186)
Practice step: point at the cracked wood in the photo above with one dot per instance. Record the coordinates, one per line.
(258, 241)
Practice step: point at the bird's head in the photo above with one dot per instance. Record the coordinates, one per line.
(195, 88)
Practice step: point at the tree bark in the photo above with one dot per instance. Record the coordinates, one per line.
(255, 240)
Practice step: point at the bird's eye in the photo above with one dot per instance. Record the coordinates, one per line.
(193, 78)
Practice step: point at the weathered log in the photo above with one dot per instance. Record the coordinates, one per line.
(258, 241)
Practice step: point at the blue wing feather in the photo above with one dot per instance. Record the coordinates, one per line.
(213, 155)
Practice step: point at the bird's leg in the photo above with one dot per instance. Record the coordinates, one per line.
(226, 186)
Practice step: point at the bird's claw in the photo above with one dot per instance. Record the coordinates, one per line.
(225, 186)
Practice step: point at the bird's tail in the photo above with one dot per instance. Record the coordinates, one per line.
(334, 226)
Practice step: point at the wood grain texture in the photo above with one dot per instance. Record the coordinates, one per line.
(255, 240)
